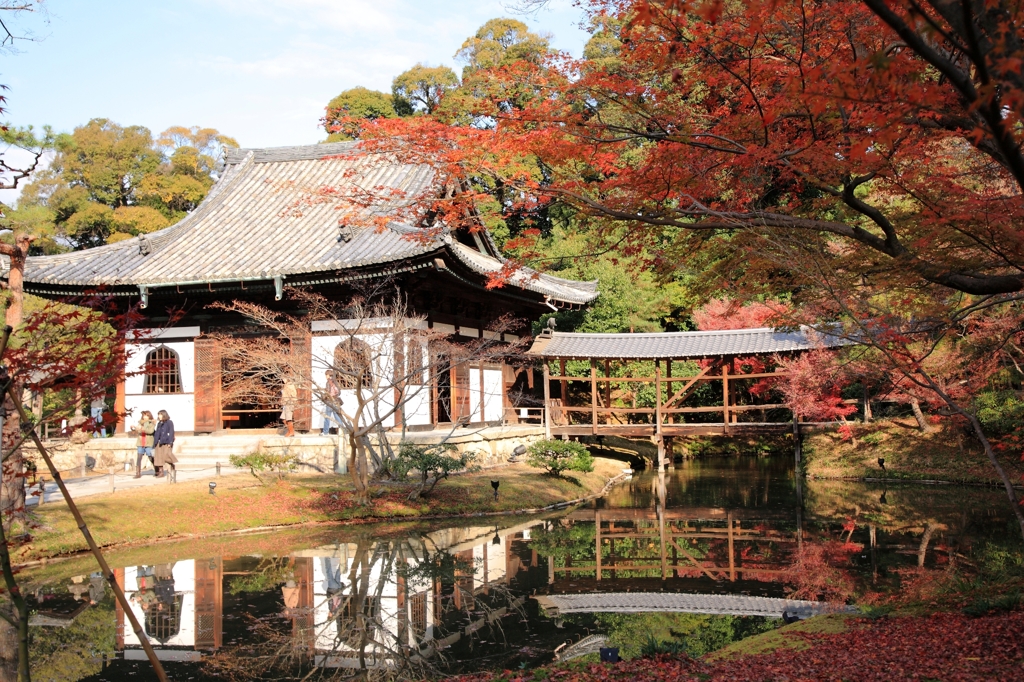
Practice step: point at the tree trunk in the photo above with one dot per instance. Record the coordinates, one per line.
(12, 481)
(922, 421)
(922, 550)
(13, 637)
(357, 468)
(8, 651)
(867, 406)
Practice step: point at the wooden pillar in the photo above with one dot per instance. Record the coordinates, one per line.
(732, 391)
(593, 395)
(668, 389)
(597, 533)
(657, 415)
(435, 393)
(608, 384)
(547, 402)
(483, 398)
(119, 405)
(725, 395)
(564, 386)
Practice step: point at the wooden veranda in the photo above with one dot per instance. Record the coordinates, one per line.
(590, 403)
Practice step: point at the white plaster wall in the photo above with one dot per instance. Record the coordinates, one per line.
(417, 406)
(181, 406)
(184, 573)
(493, 402)
(326, 628)
(383, 359)
(495, 563)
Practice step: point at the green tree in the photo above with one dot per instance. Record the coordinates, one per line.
(357, 102)
(501, 42)
(421, 88)
(602, 50)
(109, 182)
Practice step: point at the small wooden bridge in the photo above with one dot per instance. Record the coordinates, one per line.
(596, 391)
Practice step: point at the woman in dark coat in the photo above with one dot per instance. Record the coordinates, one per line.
(164, 441)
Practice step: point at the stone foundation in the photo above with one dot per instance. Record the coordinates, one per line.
(315, 453)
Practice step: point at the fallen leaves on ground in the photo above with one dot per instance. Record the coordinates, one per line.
(942, 646)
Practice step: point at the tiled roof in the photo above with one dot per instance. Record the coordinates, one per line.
(269, 215)
(678, 344)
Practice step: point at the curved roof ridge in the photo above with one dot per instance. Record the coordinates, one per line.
(699, 332)
(525, 278)
(305, 152)
(679, 345)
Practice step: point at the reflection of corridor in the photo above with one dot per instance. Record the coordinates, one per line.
(691, 542)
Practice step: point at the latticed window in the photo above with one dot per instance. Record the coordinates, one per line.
(353, 361)
(163, 371)
(414, 361)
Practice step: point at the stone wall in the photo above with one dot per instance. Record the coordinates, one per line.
(315, 453)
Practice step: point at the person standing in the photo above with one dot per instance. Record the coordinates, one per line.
(332, 400)
(289, 398)
(164, 439)
(96, 408)
(144, 440)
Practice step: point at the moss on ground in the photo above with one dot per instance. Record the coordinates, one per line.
(187, 510)
(945, 455)
(785, 637)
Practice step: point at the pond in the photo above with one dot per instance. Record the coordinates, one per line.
(693, 558)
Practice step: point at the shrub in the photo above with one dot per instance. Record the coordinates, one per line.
(260, 462)
(560, 455)
(433, 462)
(1000, 412)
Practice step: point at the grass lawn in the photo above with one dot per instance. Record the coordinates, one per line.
(909, 455)
(188, 510)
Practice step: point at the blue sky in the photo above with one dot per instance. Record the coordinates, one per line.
(258, 70)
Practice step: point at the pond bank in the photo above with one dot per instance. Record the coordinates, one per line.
(187, 510)
(946, 455)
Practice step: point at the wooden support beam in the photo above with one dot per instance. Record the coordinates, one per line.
(597, 533)
(657, 397)
(593, 392)
(692, 382)
(564, 385)
(693, 560)
(608, 384)
(732, 390)
(547, 403)
(668, 375)
(725, 395)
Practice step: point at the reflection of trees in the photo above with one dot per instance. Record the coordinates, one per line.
(77, 651)
(697, 634)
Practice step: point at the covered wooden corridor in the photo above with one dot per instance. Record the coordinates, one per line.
(660, 385)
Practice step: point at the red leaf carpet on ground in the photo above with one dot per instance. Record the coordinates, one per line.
(938, 647)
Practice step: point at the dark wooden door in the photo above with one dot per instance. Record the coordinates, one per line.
(303, 348)
(460, 389)
(207, 391)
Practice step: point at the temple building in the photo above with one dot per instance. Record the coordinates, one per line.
(285, 218)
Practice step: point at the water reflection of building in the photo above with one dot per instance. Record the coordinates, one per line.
(179, 606)
(369, 604)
